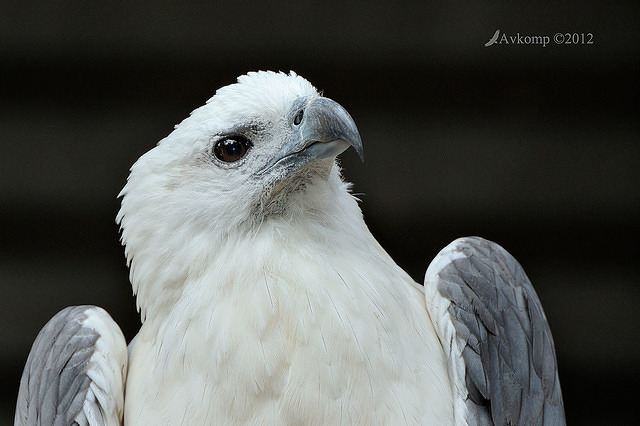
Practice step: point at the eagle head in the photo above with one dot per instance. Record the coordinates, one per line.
(262, 148)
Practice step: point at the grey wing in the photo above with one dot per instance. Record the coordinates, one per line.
(501, 357)
(75, 372)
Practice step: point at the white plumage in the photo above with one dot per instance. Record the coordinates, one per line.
(264, 297)
(295, 316)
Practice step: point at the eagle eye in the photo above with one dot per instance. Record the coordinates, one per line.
(231, 148)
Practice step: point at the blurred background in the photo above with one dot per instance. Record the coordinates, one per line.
(536, 148)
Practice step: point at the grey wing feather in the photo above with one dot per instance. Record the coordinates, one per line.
(56, 388)
(510, 368)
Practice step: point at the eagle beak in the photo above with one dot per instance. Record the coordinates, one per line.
(325, 128)
(321, 128)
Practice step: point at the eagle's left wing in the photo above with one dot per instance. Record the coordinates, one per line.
(500, 353)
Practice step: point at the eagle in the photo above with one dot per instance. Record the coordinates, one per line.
(265, 299)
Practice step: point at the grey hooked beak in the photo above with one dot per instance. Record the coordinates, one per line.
(322, 128)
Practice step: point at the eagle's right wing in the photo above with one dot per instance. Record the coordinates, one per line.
(75, 372)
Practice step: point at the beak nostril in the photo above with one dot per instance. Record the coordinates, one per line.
(298, 118)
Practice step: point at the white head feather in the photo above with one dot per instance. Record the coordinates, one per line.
(180, 205)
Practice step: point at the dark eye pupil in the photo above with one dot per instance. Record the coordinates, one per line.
(298, 118)
(231, 149)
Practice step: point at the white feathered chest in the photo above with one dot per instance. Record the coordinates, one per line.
(291, 336)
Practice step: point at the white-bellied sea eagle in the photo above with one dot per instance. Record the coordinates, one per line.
(266, 300)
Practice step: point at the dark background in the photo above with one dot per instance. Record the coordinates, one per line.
(535, 148)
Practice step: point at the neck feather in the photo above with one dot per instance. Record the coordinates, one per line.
(166, 253)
